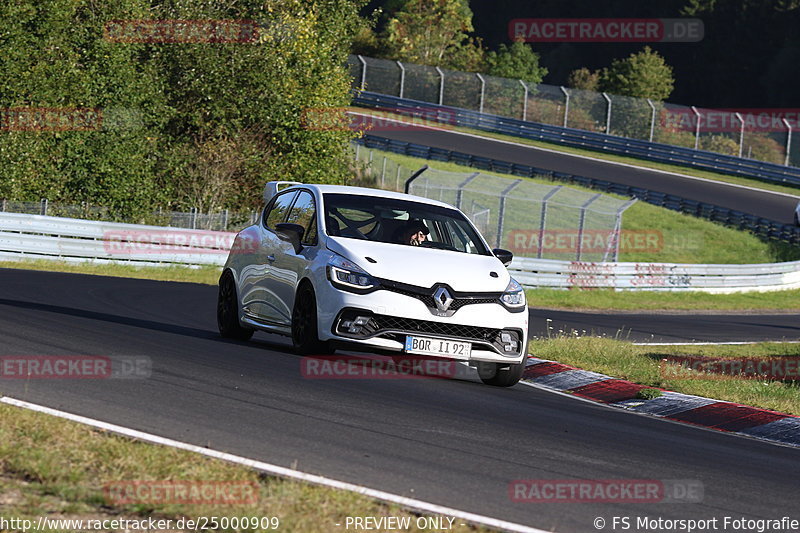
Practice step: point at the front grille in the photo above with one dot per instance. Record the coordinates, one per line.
(396, 328)
(458, 303)
(385, 322)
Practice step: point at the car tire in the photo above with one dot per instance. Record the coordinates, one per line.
(796, 219)
(228, 310)
(305, 337)
(500, 375)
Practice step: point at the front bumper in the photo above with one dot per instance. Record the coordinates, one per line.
(390, 317)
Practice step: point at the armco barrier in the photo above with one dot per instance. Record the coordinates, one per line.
(651, 151)
(73, 240)
(68, 239)
(762, 227)
(547, 273)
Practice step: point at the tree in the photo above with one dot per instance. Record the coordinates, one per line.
(517, 61)
(642, 75)
(428, 31)
(175, 116)
(584, 79)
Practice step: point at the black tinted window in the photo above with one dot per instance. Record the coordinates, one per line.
(279, 208)
(304, 212)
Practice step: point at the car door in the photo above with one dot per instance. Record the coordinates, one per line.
(257, 299)
(288, 267)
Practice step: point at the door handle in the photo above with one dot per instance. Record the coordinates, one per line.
(270, 258)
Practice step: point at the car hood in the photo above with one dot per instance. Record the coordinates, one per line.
(424, 267)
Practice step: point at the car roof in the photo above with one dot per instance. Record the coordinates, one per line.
(365, 191)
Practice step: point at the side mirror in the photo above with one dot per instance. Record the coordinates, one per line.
(292, 233)
(504, 256)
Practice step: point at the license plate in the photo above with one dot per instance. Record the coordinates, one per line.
(440, 347)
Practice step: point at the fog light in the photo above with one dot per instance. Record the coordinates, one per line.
(505, 337)
(354, 326)
(510, 347)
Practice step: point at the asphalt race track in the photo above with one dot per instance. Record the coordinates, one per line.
(766, 204)
(668, 327)
(452, 442)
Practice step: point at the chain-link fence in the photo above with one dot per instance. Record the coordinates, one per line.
(530, 219)
(763, 136)
(220, 221)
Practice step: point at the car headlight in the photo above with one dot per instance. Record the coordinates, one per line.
(349, 276)
(514, 295)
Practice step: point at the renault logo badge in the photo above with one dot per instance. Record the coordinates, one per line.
(442, 298)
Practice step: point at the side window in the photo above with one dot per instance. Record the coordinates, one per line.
(280, 206)
(304, 213)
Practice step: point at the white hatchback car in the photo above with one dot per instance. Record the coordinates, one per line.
(367, 269)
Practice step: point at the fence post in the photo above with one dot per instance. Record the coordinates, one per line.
(441, 85)
(652, 119)
(608, 113)
(544, 218)
(43, 209)
(358, 148)
(524, 101)
(483, 89)
(402, 77)
(193, 217)
(224, 220)
(566, 104)
(363, 72)
(460, 191)
(741, 132)
(788, 142)
(501, 213)
(582, 222)
(618, 228)
(3, 205)
(697, 127)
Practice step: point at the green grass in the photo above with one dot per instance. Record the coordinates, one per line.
(208, 275)
(643, 364)
(604, 299)
(715, 176)
(57, 468)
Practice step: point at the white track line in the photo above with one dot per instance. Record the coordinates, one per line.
(590, 158)
(734, 343)
(279, 470)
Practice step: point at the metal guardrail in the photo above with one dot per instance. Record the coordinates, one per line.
(651, 151)
(63, 239)
(73, 240)
(40, 237)
(762, 227)
(545, 273)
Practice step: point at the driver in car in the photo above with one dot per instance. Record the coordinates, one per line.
(414, 233)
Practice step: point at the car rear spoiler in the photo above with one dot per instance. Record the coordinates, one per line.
(273, 187)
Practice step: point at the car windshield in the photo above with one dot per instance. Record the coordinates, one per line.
(400, 222)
